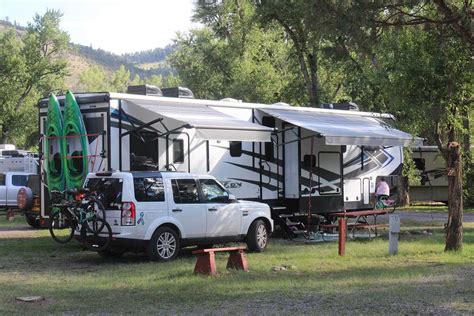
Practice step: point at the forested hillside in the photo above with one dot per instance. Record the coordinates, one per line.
(145, 64)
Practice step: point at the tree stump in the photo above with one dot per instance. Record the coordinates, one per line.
(454, 229)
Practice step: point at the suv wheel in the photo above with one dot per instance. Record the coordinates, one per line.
(164, 245)
(257, 236)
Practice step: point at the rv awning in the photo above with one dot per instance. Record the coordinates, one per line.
(346, 129)
(209, 124)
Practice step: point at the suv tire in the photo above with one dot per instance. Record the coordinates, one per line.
(163, 245)
(257, 236)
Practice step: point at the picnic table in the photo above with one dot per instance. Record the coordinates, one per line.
(360, 220)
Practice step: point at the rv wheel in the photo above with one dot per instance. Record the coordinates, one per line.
(32, 220)
(257, 236)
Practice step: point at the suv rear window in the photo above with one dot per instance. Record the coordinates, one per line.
(19, 180)
(149, 189)
(109, 190)
(33, 184)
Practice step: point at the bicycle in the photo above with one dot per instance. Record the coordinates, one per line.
(84, 214)
(383, 202)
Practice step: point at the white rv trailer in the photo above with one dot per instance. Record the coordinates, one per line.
(295, 159)
(433, 179)
(13, 159)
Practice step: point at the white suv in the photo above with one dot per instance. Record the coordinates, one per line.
(164, 211)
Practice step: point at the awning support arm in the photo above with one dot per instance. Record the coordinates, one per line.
(283, 130)
(174, 130)
(136, 129)
(301, 138)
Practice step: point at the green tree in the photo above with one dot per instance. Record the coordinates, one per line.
(31, 66)
(95, 79)
(120, 79)
(233, 56)
(420, 73)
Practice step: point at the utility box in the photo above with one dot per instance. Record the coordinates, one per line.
(394, 230)
(394, 223)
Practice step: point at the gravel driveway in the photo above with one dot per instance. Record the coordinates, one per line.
(429, 217)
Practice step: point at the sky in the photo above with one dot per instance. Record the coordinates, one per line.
(118, 26)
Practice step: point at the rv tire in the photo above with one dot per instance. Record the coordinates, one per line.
(33, 221)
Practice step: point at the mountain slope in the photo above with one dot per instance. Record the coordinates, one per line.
(80, 57)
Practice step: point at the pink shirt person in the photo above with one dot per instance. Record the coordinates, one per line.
(382, 188)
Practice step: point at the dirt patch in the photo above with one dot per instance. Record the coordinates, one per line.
(18, 232)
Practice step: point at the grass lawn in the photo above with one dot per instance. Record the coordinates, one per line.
(19, 220)
(421, 279)
(433, 209)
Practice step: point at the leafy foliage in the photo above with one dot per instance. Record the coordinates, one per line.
(96, 79)
(234, 57)
(30, 67)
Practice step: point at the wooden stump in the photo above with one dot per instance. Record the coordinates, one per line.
(454, 229)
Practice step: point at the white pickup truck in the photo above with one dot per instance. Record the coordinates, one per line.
(164, 211)
(10, 183)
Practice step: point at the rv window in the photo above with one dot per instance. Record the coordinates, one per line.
(149, 189)
(185, 191)
(269, 151)
(309, 161)
(2, 179)
(235, 149)
(268, 121)
(419, 163)
(178, 151)
(19, 180)
(144, 151)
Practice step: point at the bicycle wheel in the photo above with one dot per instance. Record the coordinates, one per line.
(97, 240)
(95, 210)
(392, 207)
(61, 228)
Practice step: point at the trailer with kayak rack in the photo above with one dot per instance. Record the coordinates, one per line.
(299, 160)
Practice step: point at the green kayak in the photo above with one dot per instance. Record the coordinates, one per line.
(75, 144)
(53, 145)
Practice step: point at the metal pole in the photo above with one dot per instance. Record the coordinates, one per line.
(310, 183)
(342, 237)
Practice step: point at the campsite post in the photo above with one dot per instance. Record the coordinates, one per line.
(342, 236)
(394, 223)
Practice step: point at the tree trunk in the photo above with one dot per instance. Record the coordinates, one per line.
(313, 76)
(403, 196)
(4, 135)
(454, 230)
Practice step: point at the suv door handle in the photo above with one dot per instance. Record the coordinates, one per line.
(176, 210)
(212, 209)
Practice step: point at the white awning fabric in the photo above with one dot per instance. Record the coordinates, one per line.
(346, 129)
(209, 124)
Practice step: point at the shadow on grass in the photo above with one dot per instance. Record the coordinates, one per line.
(407, 289)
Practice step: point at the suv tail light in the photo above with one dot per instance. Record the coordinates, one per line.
(128, 214)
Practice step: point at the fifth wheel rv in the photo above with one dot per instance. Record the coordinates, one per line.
(296, 159)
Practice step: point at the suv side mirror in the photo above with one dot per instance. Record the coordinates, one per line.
(232, 198)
